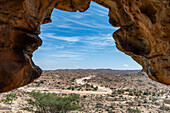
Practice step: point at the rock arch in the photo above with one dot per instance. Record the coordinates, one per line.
(143, 35)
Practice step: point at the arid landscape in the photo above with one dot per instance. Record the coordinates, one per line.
(86, 34)
(100, 91)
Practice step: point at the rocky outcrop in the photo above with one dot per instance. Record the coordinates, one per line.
(143, 35)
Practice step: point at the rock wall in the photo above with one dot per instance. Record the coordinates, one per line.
(143, 35)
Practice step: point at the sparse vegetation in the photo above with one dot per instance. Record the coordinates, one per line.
(9, 98)
(51, 103)
(133, 110)
(120, 91)
(130, 93)
(165, 108)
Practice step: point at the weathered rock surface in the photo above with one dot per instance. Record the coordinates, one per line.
(144, 35)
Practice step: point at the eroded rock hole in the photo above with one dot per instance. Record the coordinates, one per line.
(150, 11)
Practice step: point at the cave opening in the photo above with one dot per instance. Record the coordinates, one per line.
(76, 40)
(143, 33)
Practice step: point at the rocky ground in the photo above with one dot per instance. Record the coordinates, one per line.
(101, 91)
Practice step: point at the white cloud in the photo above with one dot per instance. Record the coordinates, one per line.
(101, 12)
(64, 26)
(100, 41)
(51, 47)
(68, 54)
(81, 23)
(98, 6)
(78, 16)
(65, 56)
(87, 23)
(125, 65)
(52, 35)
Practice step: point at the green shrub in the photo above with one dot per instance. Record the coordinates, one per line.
(69, 88)
(10, 98)
(164, 108)
(85, 80)
(51, 103)
(133, 110)
(120, 91)
(73, 79)
(153, 94)
(95, 88)
(140, 91)
(145, 93)
(38, 84)
(72, 88)
(84, 96)
(87, 89)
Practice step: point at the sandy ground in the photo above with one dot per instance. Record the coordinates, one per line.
(100, 91)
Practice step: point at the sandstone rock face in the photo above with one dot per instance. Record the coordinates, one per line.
(143, 35)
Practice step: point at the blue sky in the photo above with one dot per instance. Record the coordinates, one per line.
(80, 40)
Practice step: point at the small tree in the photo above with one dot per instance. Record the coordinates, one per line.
(51, 103)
